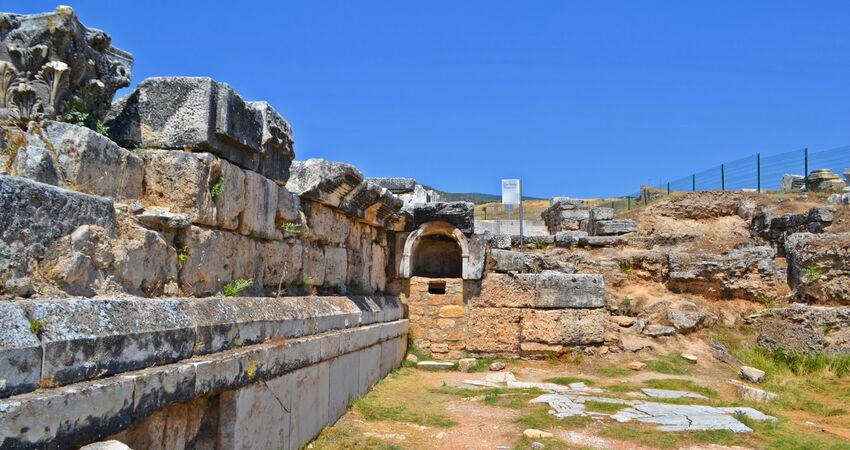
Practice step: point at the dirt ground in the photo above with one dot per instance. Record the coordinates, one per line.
(416, 409)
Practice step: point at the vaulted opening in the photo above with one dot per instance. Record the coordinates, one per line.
(437, 256)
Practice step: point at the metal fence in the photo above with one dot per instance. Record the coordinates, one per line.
(755, 172)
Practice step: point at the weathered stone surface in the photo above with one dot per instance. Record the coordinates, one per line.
(792, 183)
(776, 229)
(34, 215)
(666, 393)
(614, 227)
(180, 182)
(77, 158)
(143, 260)
(396, 185)
(465, 364)
(561, 290)
(494, 330)
(741, 273)
(372, 203)
(819, 267)
(257, 415)
(658, 330)
(79, 343)
(506, 261)
(55, 64)
(565, 215)
(323, 181)
(566, 327)
(258, 218)
(326, 225)
(789, 337)
(601, 213)
(106, 445)
(601, 241)
(199, 113)
(20, 351)
(685, 321)
(288, 206)
(825, 180)
(751, 374)
(569, 238)
(459, 214)
(216, 257)
(751, 393)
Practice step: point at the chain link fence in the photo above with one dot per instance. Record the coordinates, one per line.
(753, 173)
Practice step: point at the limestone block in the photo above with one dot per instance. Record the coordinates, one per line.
(281, 263)
(506, 261)
(66, 418)
(158, 387)
(829, 255)
(372, 203)
(389, 356)
(77, 158)
(257, 415)
(601, 241)
(199, 113)
(336, 266)
(78, 344)
(344, 384)
(288, 206)
(34, 215)
(309, 413)
(562, 290)
(370, 368)
(569, 238)
(396, 185)
(216, 257)
(359, 265)
(258, 219)
(106, 445)
(20, 352)
(494, 330)
(323, 181)
(55, 61)
(601, 213)
(614, 227)
(566, 327)
(232, 198)
(314, 265)
(742, 273)
(474, 269)
(181, 182)
(459, 214)
(144, 261)
(378, 274)
(326, 225)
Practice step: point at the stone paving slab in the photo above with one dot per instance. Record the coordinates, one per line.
(666, 393)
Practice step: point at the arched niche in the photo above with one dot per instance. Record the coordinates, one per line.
(436, 249)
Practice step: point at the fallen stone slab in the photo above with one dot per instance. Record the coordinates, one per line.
(499, 377)
(614, 227)
(667, 393)
(751, 374)
(435, 365)
(601, 241)
(658, 330)
(565, 290)
(688, 417)
(751, 393)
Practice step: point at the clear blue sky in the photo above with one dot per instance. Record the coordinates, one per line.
(575, 98)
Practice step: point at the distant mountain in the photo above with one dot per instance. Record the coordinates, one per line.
(474, 197)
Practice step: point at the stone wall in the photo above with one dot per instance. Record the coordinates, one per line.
(243, 373)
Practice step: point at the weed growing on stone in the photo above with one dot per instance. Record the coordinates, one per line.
(182, 256)
(603, 407)
(83, 119)
(292, 228)
(628, 270)
(36, 326)
(216, 187)
(235, 287)
(812, 272)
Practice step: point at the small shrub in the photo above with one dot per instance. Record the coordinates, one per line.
(812, 272)
(765, 300)
(235, 287)
(539, 245)
(83, 119)
(292, 228)
(182, 256)
(216, 187)
(36, 326)
(252, 370)
(628, 270)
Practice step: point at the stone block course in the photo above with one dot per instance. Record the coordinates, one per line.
(20, 351)
(563, 327)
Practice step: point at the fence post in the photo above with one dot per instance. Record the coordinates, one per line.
(645, 196)
(694, 183)
(629, 200)
(806, 167)
(758, 172)
(722, 177)
(668, 188)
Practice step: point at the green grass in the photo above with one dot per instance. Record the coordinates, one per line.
(613, 371)
(812, 272)
(671, 364)
(235, 287)
(565, 381)
(372, 409)
(622, 387)
(333, 438)
(603, 407)
(676, 384)
(643, 434)
(775, 362)
(506, 398)
(216, 187)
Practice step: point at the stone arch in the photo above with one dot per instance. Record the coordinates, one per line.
(440, 230)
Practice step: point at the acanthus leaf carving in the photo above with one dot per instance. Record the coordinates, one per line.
(7, 78)
(24, 104)
(54, 84)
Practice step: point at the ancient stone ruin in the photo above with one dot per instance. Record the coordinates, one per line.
(172, 277)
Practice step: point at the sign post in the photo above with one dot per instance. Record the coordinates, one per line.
(512, 195)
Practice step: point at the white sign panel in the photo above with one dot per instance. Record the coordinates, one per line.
(510, 192)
